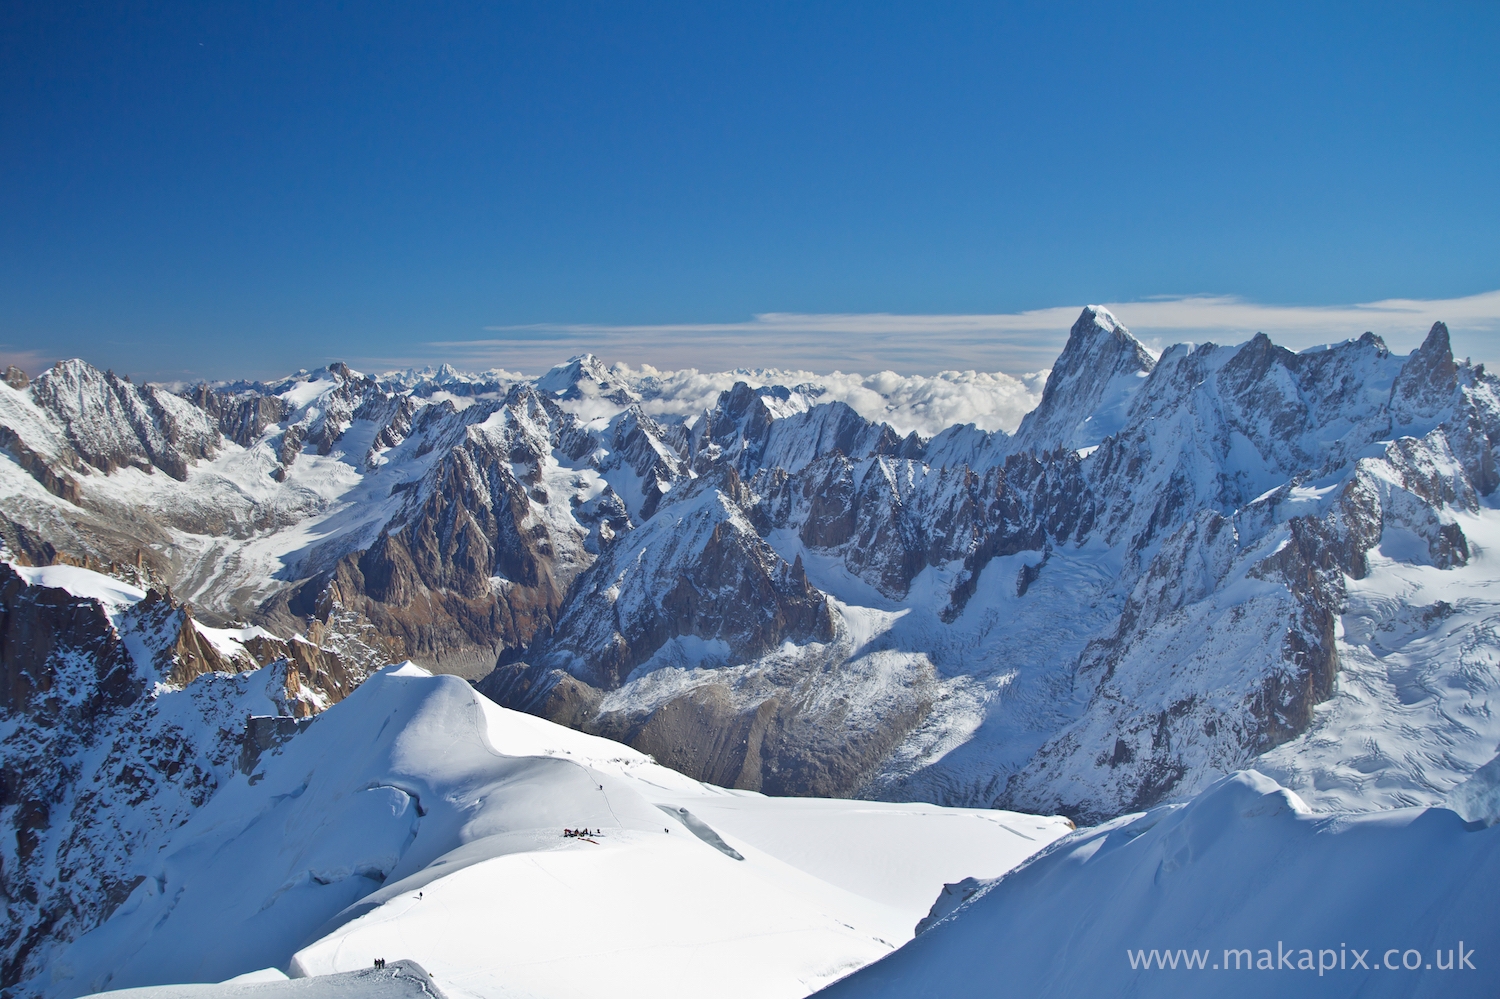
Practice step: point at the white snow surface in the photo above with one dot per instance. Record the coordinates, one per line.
(85, 583)
(397, 980)
(1478, 798)
(417, 820)
(1412, 714)
(1243, 866)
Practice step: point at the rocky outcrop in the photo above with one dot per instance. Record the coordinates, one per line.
(639, 444)
(61, 660)
(888, 519)
(772, 427)
(394, 413)
(1140, 588)
(53, 474)
(480, 562)
(242, 416)
(69, 687)
(314, 677)
(102, 752)
(697, 570)
(1424, 390)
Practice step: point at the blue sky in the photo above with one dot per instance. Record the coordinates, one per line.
(215, 190)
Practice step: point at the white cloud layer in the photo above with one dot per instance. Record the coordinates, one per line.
(921, 403)
(931, 344)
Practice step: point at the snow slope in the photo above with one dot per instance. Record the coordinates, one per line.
(1412, 715)
(397, 980)
(416, 820)
(1384, 902)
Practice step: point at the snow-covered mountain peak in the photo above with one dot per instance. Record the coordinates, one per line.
(1428, 381)
(562, 377)
(585, 377)
(1095, 319)
(112, 423)
(1090, 389)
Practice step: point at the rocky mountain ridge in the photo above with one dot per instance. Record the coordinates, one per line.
(120, 715)
(1142, 588)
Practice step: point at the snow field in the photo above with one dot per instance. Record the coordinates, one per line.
(1245, 865)
(417, 820)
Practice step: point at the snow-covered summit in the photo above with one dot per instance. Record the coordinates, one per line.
(1089, 392)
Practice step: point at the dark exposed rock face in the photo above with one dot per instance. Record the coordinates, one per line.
(67, 677)
(745, 432)
(61, 661)
(639, 444)
(708, 588)
(393, 412)
(242, 417)
(313, 677)
(478, 562)
(54, 475)
(92, 770)
(698, 570)
(888, 519)
(1424, 389)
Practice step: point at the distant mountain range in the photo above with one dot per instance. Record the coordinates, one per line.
(1177, 566)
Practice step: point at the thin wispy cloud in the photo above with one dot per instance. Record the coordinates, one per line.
(925, 344)
(33, 362)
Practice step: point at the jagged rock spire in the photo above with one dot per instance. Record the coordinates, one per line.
(1090, 387)
(1424, 388)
